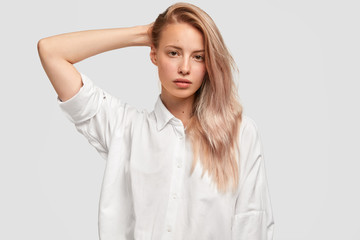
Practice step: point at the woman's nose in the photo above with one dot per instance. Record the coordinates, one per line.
(184, 67)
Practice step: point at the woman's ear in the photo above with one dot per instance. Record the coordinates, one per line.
(153, 55)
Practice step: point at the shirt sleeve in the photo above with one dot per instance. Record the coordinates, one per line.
(253, 219)
(95, 114)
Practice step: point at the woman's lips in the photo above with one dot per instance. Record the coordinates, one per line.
(182, 83)
(182, 80)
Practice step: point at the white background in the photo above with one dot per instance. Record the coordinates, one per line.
(299, 73)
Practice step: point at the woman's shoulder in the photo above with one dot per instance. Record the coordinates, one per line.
(248, 127)
(248, 121)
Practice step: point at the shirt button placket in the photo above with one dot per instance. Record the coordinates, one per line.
(176, 183)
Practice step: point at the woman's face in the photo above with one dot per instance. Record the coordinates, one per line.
(180, 57)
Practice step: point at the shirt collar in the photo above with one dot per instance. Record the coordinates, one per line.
(163, 115)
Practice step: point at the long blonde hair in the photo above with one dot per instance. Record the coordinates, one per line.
(217, 113)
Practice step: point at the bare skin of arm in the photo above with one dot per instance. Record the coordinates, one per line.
(58, 53)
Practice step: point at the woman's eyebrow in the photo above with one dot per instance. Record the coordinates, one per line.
(179, 48)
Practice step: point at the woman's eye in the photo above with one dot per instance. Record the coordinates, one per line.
(199, 57)
(172, 53)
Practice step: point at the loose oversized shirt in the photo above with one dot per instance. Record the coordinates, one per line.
(147, 190)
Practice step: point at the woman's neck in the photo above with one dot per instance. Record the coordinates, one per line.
(181, 108)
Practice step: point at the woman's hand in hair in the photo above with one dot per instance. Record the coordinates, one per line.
(148, 28)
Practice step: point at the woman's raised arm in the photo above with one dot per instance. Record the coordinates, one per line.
(58, 53)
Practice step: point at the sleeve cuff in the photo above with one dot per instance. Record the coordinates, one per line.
(84, 104)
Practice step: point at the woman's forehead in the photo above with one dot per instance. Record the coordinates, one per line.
(182, 35)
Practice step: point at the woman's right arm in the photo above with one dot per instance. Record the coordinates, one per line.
(58, 53)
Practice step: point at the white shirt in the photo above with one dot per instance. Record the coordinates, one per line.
(147, 191)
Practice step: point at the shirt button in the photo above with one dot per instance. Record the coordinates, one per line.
(179, 165)
(169, 229)
(174, 196)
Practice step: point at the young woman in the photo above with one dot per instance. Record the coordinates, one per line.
(193, 168)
